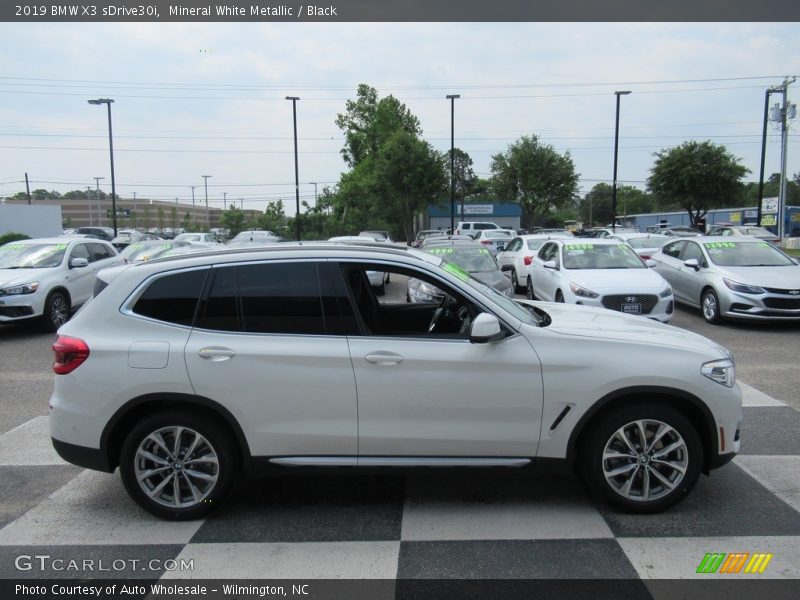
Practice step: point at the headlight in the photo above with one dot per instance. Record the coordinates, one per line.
(17, 290)
(722, 371)
(742, 288)
(666, 293)
(582, 292)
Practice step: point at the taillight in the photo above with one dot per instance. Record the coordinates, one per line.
(645, 256)
(70, 354)
(486, 242)
(527, 260)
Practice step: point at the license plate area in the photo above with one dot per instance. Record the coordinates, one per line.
(632, 309)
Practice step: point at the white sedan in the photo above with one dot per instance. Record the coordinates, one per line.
(518, 255)
(602, 273)
(204, 239)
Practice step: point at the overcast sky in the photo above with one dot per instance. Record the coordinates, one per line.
(208, 99)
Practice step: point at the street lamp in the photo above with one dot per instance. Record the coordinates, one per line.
(452, 98)
(107, 102)
(224, 201)
(314, 183)
(616, 150)
(294, 100)
(208, 214)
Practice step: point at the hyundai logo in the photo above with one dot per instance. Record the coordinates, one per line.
(631, 299)
(794, 292)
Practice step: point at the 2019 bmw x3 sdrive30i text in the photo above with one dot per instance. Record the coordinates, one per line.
(187, 372)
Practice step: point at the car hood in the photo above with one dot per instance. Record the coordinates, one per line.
(9, 277)
(600, 280)
(600, 323)
(494, 279)
(786, 278)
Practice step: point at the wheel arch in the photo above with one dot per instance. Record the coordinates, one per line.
(688, 404)
(135, 409)
(59, 289)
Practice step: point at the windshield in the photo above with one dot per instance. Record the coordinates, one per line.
(519, 311)
(746, 254)
(497, 233)
(601, 256)
(31, 256)
(189, 237)
(469, 258)
(654, 241)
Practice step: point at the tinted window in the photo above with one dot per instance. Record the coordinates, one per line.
(172, 298)
(99, 252)
(265, 298)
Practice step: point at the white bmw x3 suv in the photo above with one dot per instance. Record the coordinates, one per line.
(187, 372)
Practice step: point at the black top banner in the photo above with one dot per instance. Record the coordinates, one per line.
(399, 10)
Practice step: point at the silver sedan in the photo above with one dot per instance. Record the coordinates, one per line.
(743, 278)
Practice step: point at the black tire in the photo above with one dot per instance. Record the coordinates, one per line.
(559, 296)
(605, 434)
(709, 306)
(56, 311)
(529, 289)
(217, 444)
(515, 283)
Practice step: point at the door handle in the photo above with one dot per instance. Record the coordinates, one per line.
(386, 359)
(216, 353)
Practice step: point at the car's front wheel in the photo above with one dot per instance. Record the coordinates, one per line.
(642, 459)
(177, 465)
(56, 311)
(710, 306)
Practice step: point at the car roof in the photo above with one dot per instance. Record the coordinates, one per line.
(64, 239)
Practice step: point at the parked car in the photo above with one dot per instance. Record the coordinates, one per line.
(49, 278)
(494, 239)
(100, 233)
(517, 256)
(126, 237)
(379, 236)
(445, 237)
(424, 234)
(148, 250)
(601, 273)
(326, 375)
(255, 237)
(751, 230)
(474, 258)
(736, 277)
(645, 244)
(204, 239)
(680, 231)
(471, 228)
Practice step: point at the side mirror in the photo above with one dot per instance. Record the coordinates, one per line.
(75, 263)
(692, 262)
(650, 263)
(550, 264)
(485, 328)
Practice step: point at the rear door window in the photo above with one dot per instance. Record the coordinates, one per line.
(172, 298)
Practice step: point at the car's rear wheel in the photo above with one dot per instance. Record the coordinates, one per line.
(642, 459)
(515, 283)
(529, 289)
(56, 311)
(710, 307)
(178, 466)
(559, 296)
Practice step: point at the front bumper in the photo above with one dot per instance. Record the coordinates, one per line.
(770, 305)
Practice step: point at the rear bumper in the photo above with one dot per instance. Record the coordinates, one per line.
(89, 458)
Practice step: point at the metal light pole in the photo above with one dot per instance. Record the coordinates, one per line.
(89, 204)
(294, 100)
(135, 216)
(785, 116)
(97, 197)
(768, 93)
(315, 192)
(616, 150)
(107, 102)
(452, 98)
(224, 201)
(208, 214)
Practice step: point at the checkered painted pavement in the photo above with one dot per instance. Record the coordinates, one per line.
(426, 524)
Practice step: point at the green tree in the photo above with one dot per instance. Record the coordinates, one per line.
(368, 122)
(630, 201)
(464, 178)
(534, 175)
(274, 218)
(233, 220)
(408, 175)
(696, 176)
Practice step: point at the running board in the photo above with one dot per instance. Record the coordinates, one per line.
(399, 461)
